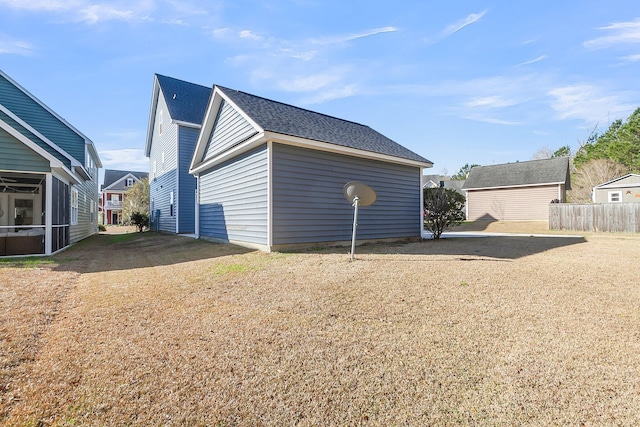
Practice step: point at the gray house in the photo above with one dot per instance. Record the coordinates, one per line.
(623, 189)
(177, 109)
(516, 191)
(48, 177)
(271, 175)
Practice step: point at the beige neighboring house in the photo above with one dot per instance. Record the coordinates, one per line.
(518, 191)
(625, 189)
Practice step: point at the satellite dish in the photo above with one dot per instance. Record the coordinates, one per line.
(358, 194)
(365, 194)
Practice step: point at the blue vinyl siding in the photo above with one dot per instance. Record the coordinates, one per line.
(160, 193)
(233, 199)
(166, 179)
(309, 205)
(35, 139)
(41, 120)
(186, 182)
(230, 129)
(19, 157)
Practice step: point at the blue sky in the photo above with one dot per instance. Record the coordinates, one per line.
(457, 82)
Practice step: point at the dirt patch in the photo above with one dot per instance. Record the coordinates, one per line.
(164, 330)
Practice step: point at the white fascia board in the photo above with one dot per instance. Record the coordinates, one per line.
(186, 124)
(609, 184)
(128, 175)
(53, 161)
(617, 186)
(546, 184)
(339, 149)
(74, 162)
(249, 144)
(152, 116)
(43, 105)
(94, 152)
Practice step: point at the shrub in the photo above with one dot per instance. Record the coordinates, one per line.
(140, 220)
(443, 208)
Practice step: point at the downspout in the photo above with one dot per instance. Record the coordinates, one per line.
(197, 224)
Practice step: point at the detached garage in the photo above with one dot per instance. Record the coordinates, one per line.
(518, 191)
(271, 175)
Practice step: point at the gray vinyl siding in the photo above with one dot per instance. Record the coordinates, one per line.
(233, 199)
(17, 156)
(186, 182)
(165, 181)
(309, 205)
(42, 120)
(87, 223)
(229, 129)
(511, 204)
(628, 187)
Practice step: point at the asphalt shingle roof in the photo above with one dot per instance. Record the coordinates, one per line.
(187, 102)
(532, 172)
(294, 121)
(112, 175)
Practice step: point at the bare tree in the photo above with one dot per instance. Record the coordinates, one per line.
(592, 173)
(542, 153)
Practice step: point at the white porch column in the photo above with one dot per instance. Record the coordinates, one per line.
(48, 218)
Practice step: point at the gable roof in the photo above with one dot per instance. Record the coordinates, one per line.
(186, 102)
(615, 183)
(112, 176)
(519, 174)
(284, 119)
(40, 125)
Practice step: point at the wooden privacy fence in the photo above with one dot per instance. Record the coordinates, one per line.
(612, 217)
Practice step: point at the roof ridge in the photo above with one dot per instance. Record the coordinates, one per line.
(183, 81)
(293, 106)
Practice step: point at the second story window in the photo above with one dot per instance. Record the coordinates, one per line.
(129, 182)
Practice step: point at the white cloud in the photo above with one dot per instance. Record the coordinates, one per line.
(493, 120)
(17, 47)
(347, 38)
(220, 32)
(248, 34)
(311, 83)
(618, 33)
(589, 103)
(124, 159)
(457, 26)
(98, 12)
(632, 58)
(43, 5)
(491, 102)
(533, 61)
(85, 10)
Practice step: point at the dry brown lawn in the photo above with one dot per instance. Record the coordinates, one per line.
(149, 329)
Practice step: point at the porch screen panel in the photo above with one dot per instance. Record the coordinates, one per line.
(60, 215)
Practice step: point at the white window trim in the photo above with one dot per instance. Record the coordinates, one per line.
(74, 206)
(611, 194)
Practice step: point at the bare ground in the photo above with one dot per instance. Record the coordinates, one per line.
(148, 329)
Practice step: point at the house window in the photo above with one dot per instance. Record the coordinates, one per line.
(615, 196)
(115, 198)
(92, 216)
(154, 170)
(171, 211)
(162, 165)
(74, 206)
(129, 182)
(160, 122)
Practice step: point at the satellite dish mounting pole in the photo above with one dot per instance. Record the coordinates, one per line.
(355, 225)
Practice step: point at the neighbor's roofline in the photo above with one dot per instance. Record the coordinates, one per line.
(515, 186)
(617, 179)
